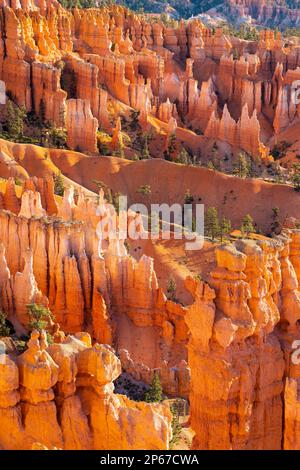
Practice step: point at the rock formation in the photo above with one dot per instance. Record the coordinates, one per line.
(81, 126)
(235, 338)
(61, 396)
(232, 349)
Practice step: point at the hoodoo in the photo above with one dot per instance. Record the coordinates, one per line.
(149, 226)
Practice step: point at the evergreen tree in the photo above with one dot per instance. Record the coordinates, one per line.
(15, 117)
(40, 317)
(59, 186)
(171, 147)
(211, 223)
(225, 227)
(155, 393)
(296, 177)
(275, 225)
(145, 154)
(241, 166)
(171, 289)
(183, 157)
(247, 226)
(4, 329)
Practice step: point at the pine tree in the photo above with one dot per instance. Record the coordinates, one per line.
(15, 119)
(4, 329)
(275, 225)
(59, 186)
(171, 147)
(211, 223)
(176, 427)
(215, 160)
(155, 393)
(145, 154)
(241, 166)
(247, 226)
(296, 177)
(40, 317)
(171, 289)
(183, 157)
(225, 227)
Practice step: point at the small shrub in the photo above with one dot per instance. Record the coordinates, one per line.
(171, 289)
(40, 317)
(59, 186)
(144, 189)
(176, 427)
(4, 329)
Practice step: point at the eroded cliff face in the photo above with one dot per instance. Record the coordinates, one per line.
(61, 396)
(89, 282)
(239, 373)
(243, 324)
(231, 350)
(77, 65)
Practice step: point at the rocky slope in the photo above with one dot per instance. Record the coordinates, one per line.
(241, 322)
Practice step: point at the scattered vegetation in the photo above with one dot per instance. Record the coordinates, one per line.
(279, 150)
(30, 128)
(171, 289)
(183, 157)
(215, 228)
(144, 189)
(211, 223)
(14, 122)
(176, 427)
(169, 153)
(40, 317)
(248, 33)
(275, 225)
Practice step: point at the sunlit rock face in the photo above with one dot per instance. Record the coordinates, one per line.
(61, 396)
(242, 324)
